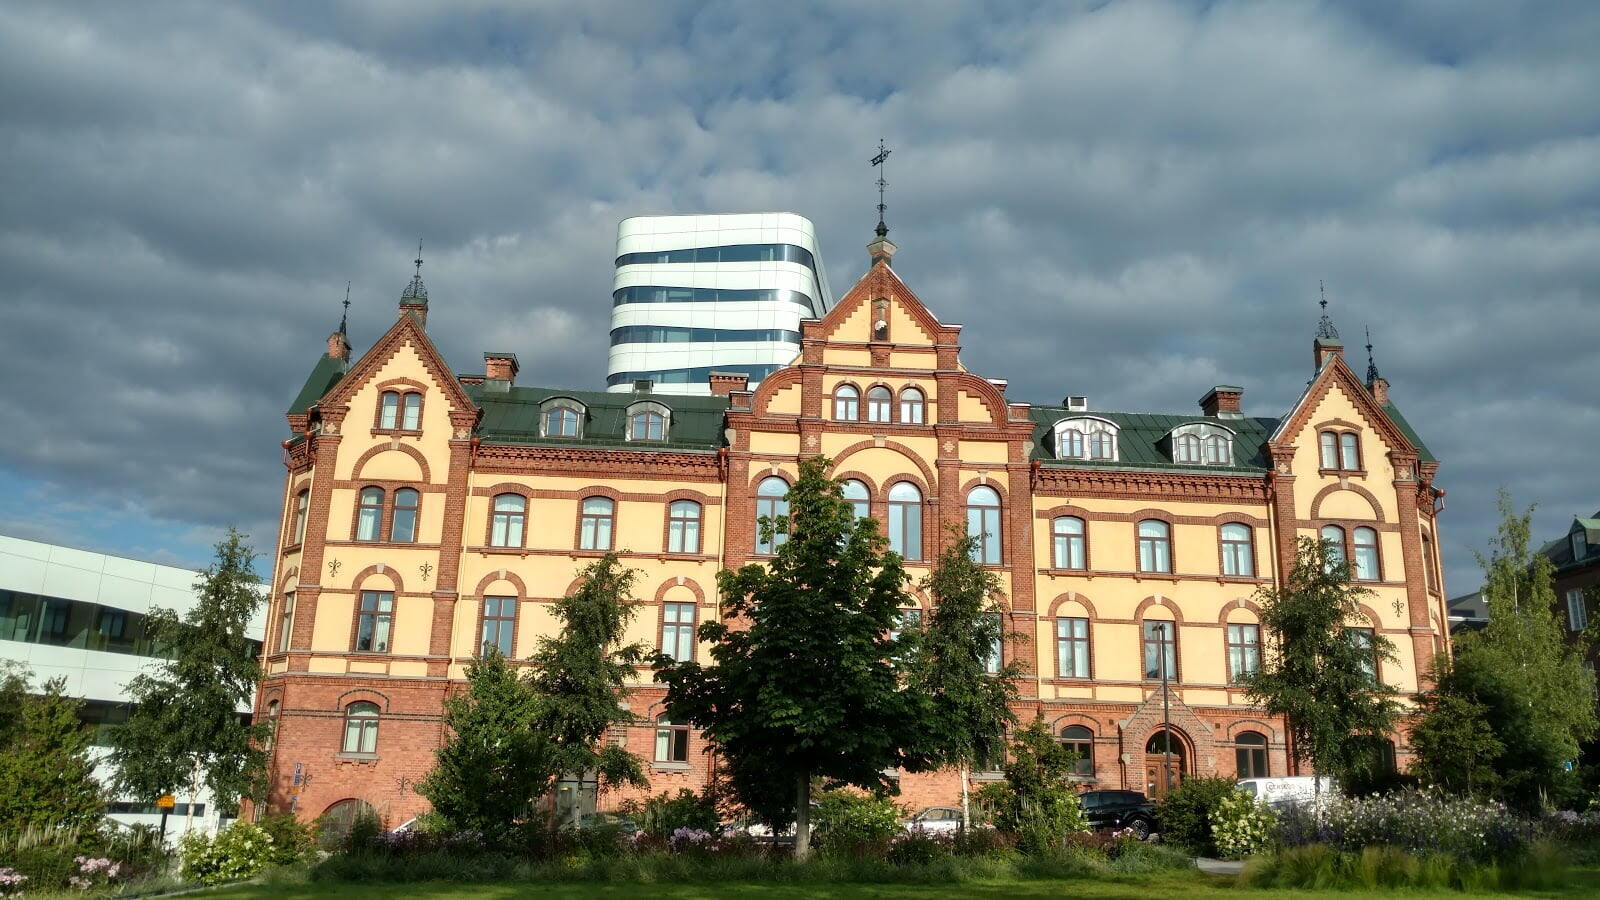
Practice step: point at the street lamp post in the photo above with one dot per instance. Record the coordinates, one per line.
(1166, 710)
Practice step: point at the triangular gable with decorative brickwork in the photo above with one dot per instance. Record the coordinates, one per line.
(1336, 374)
(407, 330)
(880, 283)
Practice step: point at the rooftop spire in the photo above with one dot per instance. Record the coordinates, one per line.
(344, 318)
(1372, 367)
(1325, 329)
(881, 160)
(416, 291)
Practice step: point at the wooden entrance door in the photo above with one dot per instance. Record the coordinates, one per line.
(1163, 764)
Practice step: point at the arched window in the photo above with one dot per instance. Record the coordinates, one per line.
(1364, 541)
(1160, 649)
(983, 523)
(561, 420)
(361, 727)
(905, 520)
(374, 621)
(1072, 647)
(683, 527)
(412, 419)
(647, 425)
(672, 741)
(1329, 442)
(369, 515)
(879, 404)
(389, 409)
(1349, 452)
(499, 624)
(1102, 444)
(772, 514)
(1333, 545)
(509, 521)
(1216, 448)
(302, 502)
(1072, 446)
(272, 726)
(403, 518)
(335, 821)
(1079, 741)
(1186, 449)
(599, 518)
(1238, 557)
(1071, 543)
(911, 406)
(1250, 754)
(1155, 546)
(846, 403)
(855, 493)
(677, 630)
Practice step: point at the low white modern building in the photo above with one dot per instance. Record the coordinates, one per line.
(697, 294)
(80, 616)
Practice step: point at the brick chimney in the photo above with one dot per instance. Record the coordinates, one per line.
(1222, 402)
(500, 366)
(1380, 390)
(725, 383)
(338, 346)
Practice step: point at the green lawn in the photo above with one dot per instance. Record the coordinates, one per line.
(1586, 883)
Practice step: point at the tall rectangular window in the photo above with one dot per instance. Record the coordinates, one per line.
(412, 420)
(683, 527)
(1070, 542)
(1155, 546)
(599, 515)
(1577, 612)
(499, 623)
(677, 631)
(1072, 648)
(1244, 650)
(1363, 639)
(995, 659)
(286, 622)
(672, 741)
(1237, 558)
(905, 520)
(374, 621)
(1161, 650)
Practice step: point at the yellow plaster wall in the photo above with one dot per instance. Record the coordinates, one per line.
(413, 624)
(785, 401)
(970, 408)
(775, 442)
(363, 415)
(335, 621)
(984, 452)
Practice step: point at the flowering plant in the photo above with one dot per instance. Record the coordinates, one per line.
(1412, 820)
(238, 851)
(11, 882)
(1241, 826)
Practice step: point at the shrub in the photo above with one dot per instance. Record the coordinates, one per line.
(1038, 803)
(1241, 826)
(1379, 868)
(51, 858)
(11, 882)
(1184, 816)
(1415, 821)
(849, 822)
(292, 840)
(663, 814)
(984, 842)
(919, 848)
(1137, 858)
(238, 851)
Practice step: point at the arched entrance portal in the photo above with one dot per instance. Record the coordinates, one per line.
(1164, 763)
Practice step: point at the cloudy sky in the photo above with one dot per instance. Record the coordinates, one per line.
(1129, 200)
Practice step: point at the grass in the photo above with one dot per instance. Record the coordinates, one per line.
(1186, 885)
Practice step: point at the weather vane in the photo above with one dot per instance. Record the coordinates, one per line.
(879, 160)
(344, 319)
(418, 260)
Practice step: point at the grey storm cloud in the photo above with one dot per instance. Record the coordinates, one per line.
(1132, 200)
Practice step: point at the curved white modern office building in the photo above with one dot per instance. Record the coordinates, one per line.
(696, 294)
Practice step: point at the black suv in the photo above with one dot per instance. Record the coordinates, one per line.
(1119, 809)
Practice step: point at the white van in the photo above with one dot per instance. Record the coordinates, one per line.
(1283, 791)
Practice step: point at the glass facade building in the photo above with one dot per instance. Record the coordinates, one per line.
(724, 293)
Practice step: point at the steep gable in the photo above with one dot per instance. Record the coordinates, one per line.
(406, 331)
(1336, 376)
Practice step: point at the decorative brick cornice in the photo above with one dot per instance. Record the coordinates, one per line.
(525, 460)
(1122, 483)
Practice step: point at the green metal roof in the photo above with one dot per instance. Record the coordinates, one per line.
(1139, 437)
(512, 417)
(1400, 422)
(324, 375)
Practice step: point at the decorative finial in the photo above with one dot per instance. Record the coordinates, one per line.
(1372, 367)
(416, 292)
(879, 160)
(344, 319)
(1325, 329)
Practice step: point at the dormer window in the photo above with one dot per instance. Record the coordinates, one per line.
(561, 417)
(1086, 437)
(647, 421)
(1201, 444)
(1580, 546)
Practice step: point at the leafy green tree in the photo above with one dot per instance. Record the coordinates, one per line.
(806, 680)
(186, 730)
(970, 707)
(580, 677)
(1318, 678)
(1040, 803)
(1536, 696)
(46, 773)
(495, 764)
(1453, 739)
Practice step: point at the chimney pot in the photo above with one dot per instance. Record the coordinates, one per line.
(1222, 402)
(725, 383)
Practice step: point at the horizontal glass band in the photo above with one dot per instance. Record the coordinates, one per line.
(650, 293)
(672, 334)
(730, 253)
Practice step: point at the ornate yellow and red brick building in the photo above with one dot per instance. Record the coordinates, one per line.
(427, 513)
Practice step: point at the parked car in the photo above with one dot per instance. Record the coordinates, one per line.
(935, 818)
(1279, 792)
(1115, 810)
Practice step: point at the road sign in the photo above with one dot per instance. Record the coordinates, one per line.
(166, 802)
